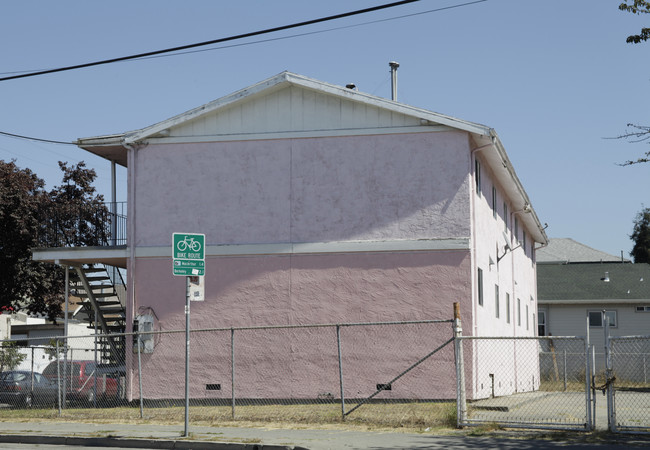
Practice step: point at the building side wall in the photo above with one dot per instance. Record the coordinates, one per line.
(410, 186)
(508, 291)
(309, 289)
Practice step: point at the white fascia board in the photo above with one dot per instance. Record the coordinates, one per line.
(534, 224)
(391, 105)
(310, 248)
(144, 133)
(588, 302)
(308, 83)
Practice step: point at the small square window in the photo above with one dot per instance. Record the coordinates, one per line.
(480, 287)
(597, 319)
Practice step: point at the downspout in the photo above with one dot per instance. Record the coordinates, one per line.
(130, 291)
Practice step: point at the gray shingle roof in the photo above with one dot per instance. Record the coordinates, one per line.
(559, 283)
(566, 250)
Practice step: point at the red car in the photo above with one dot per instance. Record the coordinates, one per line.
(83, 381)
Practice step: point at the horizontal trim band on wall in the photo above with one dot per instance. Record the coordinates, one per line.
(245, 136)
(317, 248)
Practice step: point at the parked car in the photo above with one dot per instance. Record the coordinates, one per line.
(83, 381)
(25, 388)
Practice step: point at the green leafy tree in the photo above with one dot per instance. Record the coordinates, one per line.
(641, 237)
(10, 356)
(71, 214)
(636, 132)
(637, 7)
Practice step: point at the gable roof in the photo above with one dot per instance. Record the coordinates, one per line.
(567, 250)
(586, 283)
(381, 116)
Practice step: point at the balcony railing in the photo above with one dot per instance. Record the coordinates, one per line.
(101, 224)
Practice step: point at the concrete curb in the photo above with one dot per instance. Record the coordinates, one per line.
(139, 443)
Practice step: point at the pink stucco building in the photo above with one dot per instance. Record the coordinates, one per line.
(322, 204)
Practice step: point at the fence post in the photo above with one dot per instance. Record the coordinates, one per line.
(461, 396)
(58, 376)
(232, 370)
(564, 370)
(139, 343)
(609, 382)
(589, 380)
(338, 342)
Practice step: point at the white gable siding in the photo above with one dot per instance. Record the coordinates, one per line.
(292, 109)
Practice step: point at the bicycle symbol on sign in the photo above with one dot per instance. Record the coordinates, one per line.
(188, 243)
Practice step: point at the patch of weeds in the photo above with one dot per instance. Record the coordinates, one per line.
(486, 428)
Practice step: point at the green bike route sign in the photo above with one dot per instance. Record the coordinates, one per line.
(188, 254)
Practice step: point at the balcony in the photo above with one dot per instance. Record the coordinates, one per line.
(101, 225)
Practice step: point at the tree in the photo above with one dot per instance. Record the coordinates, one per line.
(641, 237)
(70, 214)
(10, 356)
(637, 7)
(637, 133)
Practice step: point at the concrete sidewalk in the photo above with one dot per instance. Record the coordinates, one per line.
(169, 437)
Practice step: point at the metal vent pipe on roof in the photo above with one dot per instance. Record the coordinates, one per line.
(393, 78)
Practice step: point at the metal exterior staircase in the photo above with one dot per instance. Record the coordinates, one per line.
(103, 308)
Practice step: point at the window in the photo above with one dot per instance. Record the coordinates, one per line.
(477, 175)
(533, 319)
(516, 230)
(541, 323)
(505, 217)
(523, 241)
(480, 287)
(494, 202)
(496, 300)
(519, 312)
(643, 308)
(597, 319)
(507, 307)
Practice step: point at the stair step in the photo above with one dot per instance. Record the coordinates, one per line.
(98, 294)
(75, 277)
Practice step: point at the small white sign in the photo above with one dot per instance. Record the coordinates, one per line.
(197, 289)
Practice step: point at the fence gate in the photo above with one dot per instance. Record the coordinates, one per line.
(628, 387)
(527, 382)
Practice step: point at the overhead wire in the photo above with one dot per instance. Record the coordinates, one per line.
(214, 41)
(177, 50)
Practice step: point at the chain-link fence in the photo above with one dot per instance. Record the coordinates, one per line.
(534, 382)
(630, 397)
(391, 374)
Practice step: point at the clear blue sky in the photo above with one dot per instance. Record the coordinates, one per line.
(554, 78)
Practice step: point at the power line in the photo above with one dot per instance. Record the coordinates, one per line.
(214, 41)
(18, 136)
(309, 33)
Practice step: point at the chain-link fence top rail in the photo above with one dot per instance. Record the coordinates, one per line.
(532, 382)
(630, 357)
(390, 373)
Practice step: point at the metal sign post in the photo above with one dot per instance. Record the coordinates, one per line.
(188, 254)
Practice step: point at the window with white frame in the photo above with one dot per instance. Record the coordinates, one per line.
(505, 217)
(518, 312)
(480, 286)
(516, 230)
(643, 308)
(597, 318)
(477, 175)
(494, 202)
(507, 307)
(496, 300)
(541, 323)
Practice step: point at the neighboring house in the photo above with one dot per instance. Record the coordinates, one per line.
(578, 285)
(322, 204)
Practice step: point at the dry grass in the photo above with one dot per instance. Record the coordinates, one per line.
(411, 417)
